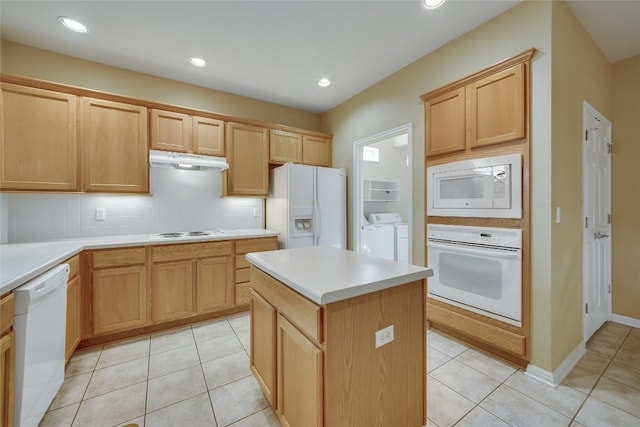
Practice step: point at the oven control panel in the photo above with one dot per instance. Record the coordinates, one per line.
(507, 237)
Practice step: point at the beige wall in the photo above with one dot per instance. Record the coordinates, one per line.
(44, 65)
(395, 101)
(580, 72)
(626, 188)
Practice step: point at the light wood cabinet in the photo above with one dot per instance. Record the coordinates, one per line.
(73, 329)
(263, 345)
(172, 290)
(114, 147)
(445, 123)
(484, 109)
(243, 247)
(172, 131)
(39, 148)
(496, 108)
(285, 147)
(7, 360)
(300, 381)
(316, 151)
(119, 290)
(191, 278)
(247, 149)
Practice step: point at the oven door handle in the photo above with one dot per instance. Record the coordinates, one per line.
(496, 253)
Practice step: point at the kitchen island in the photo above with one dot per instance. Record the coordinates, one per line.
(339, 338)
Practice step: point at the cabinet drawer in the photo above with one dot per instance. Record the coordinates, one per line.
(190, 251)
(242, 275)
(6, 313)
(490, 334)
(74, 266)
(242, 293)
(256, 245)
(118, 257)
(303, 313)
(241, 261)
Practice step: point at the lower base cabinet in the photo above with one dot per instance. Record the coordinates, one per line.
(214, 285)
(73, 317)
(171, 288)
(299, 377)
(263, 344)
(7, 360)
(119, 299)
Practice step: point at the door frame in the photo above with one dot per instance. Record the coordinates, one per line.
(357, 202)
(589, 111)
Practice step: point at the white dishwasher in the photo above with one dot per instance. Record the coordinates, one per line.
(40, 328)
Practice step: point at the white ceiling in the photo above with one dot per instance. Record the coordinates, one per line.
(278, 50)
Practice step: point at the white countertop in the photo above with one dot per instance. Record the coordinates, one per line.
(325, 275)
(21, 262)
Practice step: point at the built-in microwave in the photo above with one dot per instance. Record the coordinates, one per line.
(487, 187)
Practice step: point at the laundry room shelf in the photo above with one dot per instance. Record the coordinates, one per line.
(376, 190)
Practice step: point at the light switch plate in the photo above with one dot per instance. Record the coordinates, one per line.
(384, 336)
(100, 214)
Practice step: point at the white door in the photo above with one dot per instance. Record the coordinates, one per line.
(596, 182)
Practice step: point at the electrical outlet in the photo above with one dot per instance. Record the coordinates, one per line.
(100, 214)
(384, 336)
(256, 212)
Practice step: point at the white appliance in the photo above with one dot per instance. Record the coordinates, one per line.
(307, 205)
(488, 187)
(40, 328)
(172, 159)
(386, 236)
(478, 269)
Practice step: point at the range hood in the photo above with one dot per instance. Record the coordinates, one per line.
(170, 159)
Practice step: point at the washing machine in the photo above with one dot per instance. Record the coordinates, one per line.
(377, 240)
(399, 242)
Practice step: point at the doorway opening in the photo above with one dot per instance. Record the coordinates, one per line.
(382, 195)
(596, 188)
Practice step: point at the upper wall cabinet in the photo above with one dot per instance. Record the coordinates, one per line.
(316, 151)
(172, 131)
(496, 108)
(39, 148)
(114, 147)
(247, 150)
(286, 146)
(484, 109)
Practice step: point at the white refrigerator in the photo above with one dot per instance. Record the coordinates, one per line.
(307, 205)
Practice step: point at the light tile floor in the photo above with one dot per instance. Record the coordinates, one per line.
(199, 376)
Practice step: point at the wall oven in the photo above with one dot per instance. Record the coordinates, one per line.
(478, 269)
(488, 187)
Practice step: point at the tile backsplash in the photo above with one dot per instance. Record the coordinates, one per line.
(180, 200)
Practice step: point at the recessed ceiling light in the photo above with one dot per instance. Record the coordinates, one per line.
(72, 24)
(324, 82)
(432, 4)
(197, 62)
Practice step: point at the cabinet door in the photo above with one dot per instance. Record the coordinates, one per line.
(214, 284)
(73, 317)
(38, 146)
(119, 299)
(445, 123)
(316, 151)
(285, 147)
(497, 108)
(171, 290)
(7, 369)
(299, 377)
(208, 136)
(114, 150)
(248, 156)
(263, 344)
(170, 131)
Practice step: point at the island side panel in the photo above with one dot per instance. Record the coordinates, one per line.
(365, 385)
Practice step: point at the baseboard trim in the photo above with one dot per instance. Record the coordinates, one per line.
(629, 321)
(556, 377)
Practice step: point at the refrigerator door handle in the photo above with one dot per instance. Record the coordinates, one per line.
(316, 209)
